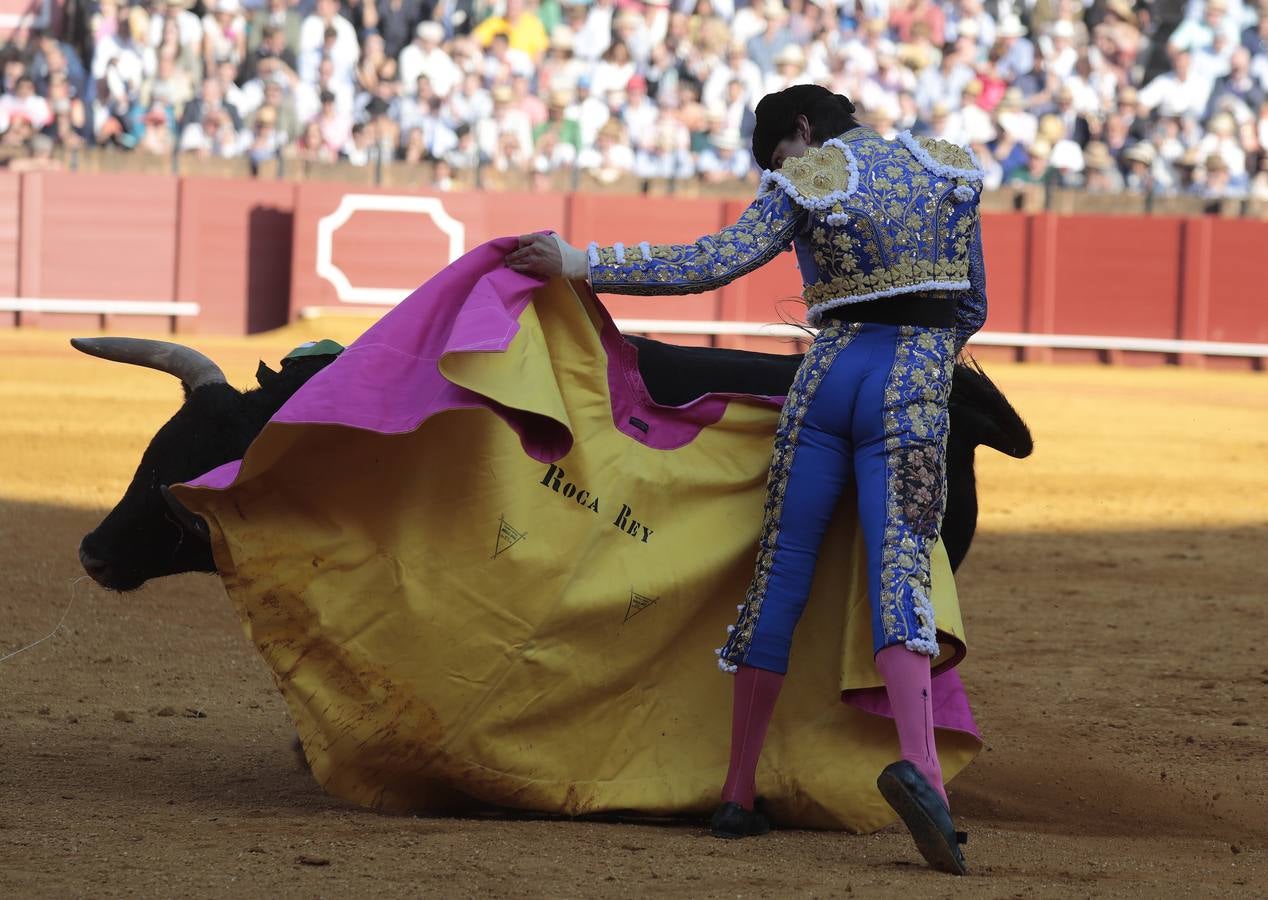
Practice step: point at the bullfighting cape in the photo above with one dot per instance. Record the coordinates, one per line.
(486, 568)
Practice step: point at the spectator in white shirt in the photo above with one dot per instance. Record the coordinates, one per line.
(1184, 89)
(424, 56)
(312, 36)
(640, 114)
(610, 158)
(505, 119)
(725, 159)
(595, 36)
(25, 102)
(189, 28)
(224, 33)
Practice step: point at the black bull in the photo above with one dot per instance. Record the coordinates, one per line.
(149, 534)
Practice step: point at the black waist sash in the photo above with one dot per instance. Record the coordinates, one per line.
(925, 310)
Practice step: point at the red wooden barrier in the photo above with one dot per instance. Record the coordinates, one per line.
(235, 254)
(657, 220)
(1111, 280)
(252, 255)
(106, 237)
(1238, 270)
(10, 213)
(772, 294)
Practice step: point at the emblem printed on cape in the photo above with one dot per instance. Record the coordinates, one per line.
(638, 603)
(507, 537)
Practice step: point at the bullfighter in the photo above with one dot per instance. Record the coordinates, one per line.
(888, 240)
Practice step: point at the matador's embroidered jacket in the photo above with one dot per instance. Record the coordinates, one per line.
(869, 218)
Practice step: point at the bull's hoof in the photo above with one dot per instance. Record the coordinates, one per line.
(925, 815)
(731, 820)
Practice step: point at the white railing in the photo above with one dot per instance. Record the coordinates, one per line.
(100, 307)
(982, 338)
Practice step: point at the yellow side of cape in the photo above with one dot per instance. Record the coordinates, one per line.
(453, 623)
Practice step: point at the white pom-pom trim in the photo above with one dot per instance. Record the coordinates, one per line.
(593, 252)
(937, 168)
(619, 249)
(646, 250)
(816, 203)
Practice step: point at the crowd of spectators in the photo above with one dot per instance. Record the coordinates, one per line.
(1105, 95)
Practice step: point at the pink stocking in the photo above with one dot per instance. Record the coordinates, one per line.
(907, 678)
(756, 691)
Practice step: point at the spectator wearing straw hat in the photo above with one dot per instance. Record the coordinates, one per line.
(1067, 164)
(1036, 169)
(1018, 56)
(725, 159)
(1140, 159)
(1223, 140)
(1012, 117)
(610, 158)
(765, 47)
(561, 69)
(560, 122)
(1216, 181)
(506, 119)
(1102, 175)
(790, 69)
(969, 18)
(944, 124)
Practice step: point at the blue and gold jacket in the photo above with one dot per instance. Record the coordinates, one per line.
(869, 218)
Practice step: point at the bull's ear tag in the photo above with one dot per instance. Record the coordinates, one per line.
(640, 425)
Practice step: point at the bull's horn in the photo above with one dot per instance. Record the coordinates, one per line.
(190, 366)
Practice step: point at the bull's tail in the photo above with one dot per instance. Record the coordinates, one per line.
(994, 422)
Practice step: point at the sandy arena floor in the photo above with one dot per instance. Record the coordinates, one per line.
(1115, 600)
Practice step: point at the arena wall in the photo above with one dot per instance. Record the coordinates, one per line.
(145, 253)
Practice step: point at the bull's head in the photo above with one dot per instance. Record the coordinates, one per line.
(149, 533)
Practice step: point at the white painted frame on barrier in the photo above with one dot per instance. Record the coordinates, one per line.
(354, 203)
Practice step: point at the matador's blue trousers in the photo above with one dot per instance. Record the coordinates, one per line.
(869, 402)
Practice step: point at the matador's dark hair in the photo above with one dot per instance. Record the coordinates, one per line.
(829, 114)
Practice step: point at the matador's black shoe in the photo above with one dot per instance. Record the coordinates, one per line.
(925, 815)
(730, 820)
